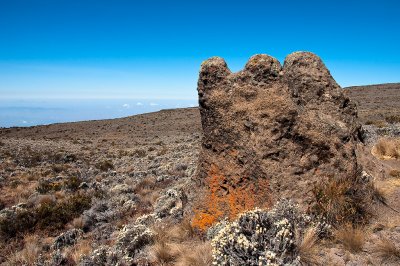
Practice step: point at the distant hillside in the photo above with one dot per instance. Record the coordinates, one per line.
(376, 102)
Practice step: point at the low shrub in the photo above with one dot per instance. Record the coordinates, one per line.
(53, 216)
(49, 215)
(104, 165)
(46, 186)
(58, 168)
(22, 222)
(261, 237)
(73, 183)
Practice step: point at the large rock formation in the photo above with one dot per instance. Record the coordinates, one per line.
(271, 132)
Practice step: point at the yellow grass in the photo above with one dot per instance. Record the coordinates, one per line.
(351, 238)
(387, 148)
(308, 248)
(388, 251)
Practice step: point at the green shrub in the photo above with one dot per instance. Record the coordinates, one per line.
(49, 215)
(52, 215)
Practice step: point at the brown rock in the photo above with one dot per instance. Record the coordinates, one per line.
(271, 132)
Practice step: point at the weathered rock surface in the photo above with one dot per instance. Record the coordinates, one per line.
(272, 131)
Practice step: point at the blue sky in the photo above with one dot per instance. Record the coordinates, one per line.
(153, 49)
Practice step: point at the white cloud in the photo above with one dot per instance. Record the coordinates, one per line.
(139, 104)
(24, 122)
(126, 106)
(153, 104)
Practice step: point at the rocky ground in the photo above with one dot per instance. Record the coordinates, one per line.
(118, 192)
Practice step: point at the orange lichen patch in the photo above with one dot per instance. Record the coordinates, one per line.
(225, 198)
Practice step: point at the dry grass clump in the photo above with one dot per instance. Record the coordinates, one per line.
(197, 255)
(350, 237)
(377, 123)
(58, 168)
(388, 251)
(104, 165)
(140, 153)
(73, 183)
(394, 173)
(29, 254)
(79, 250)
(393, 119)
(177, 244)
(175, 233)
(77, 223)
(45, 186)
(387, 148)
(145, 186)
(342, 200)
(307, 247)
(165, 253)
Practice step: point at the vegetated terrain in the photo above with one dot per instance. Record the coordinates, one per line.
(113, 191)
(378, 104)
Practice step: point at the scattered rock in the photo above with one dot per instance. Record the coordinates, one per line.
(371, 134)
(68, 238)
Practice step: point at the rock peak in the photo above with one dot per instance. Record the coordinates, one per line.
(271, 132)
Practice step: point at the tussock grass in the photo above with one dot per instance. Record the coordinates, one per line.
(387, 251)
(81, 249)
(164, 253)
(178, 244)
(197, 255)
(307, 247)
(29, 254)
(393, 119)
(387, 148)
(350, 237)
(394, 173)
(104, 165)
(343, 200)
(377, 123)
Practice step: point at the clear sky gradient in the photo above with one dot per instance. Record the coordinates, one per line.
(153, 49)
